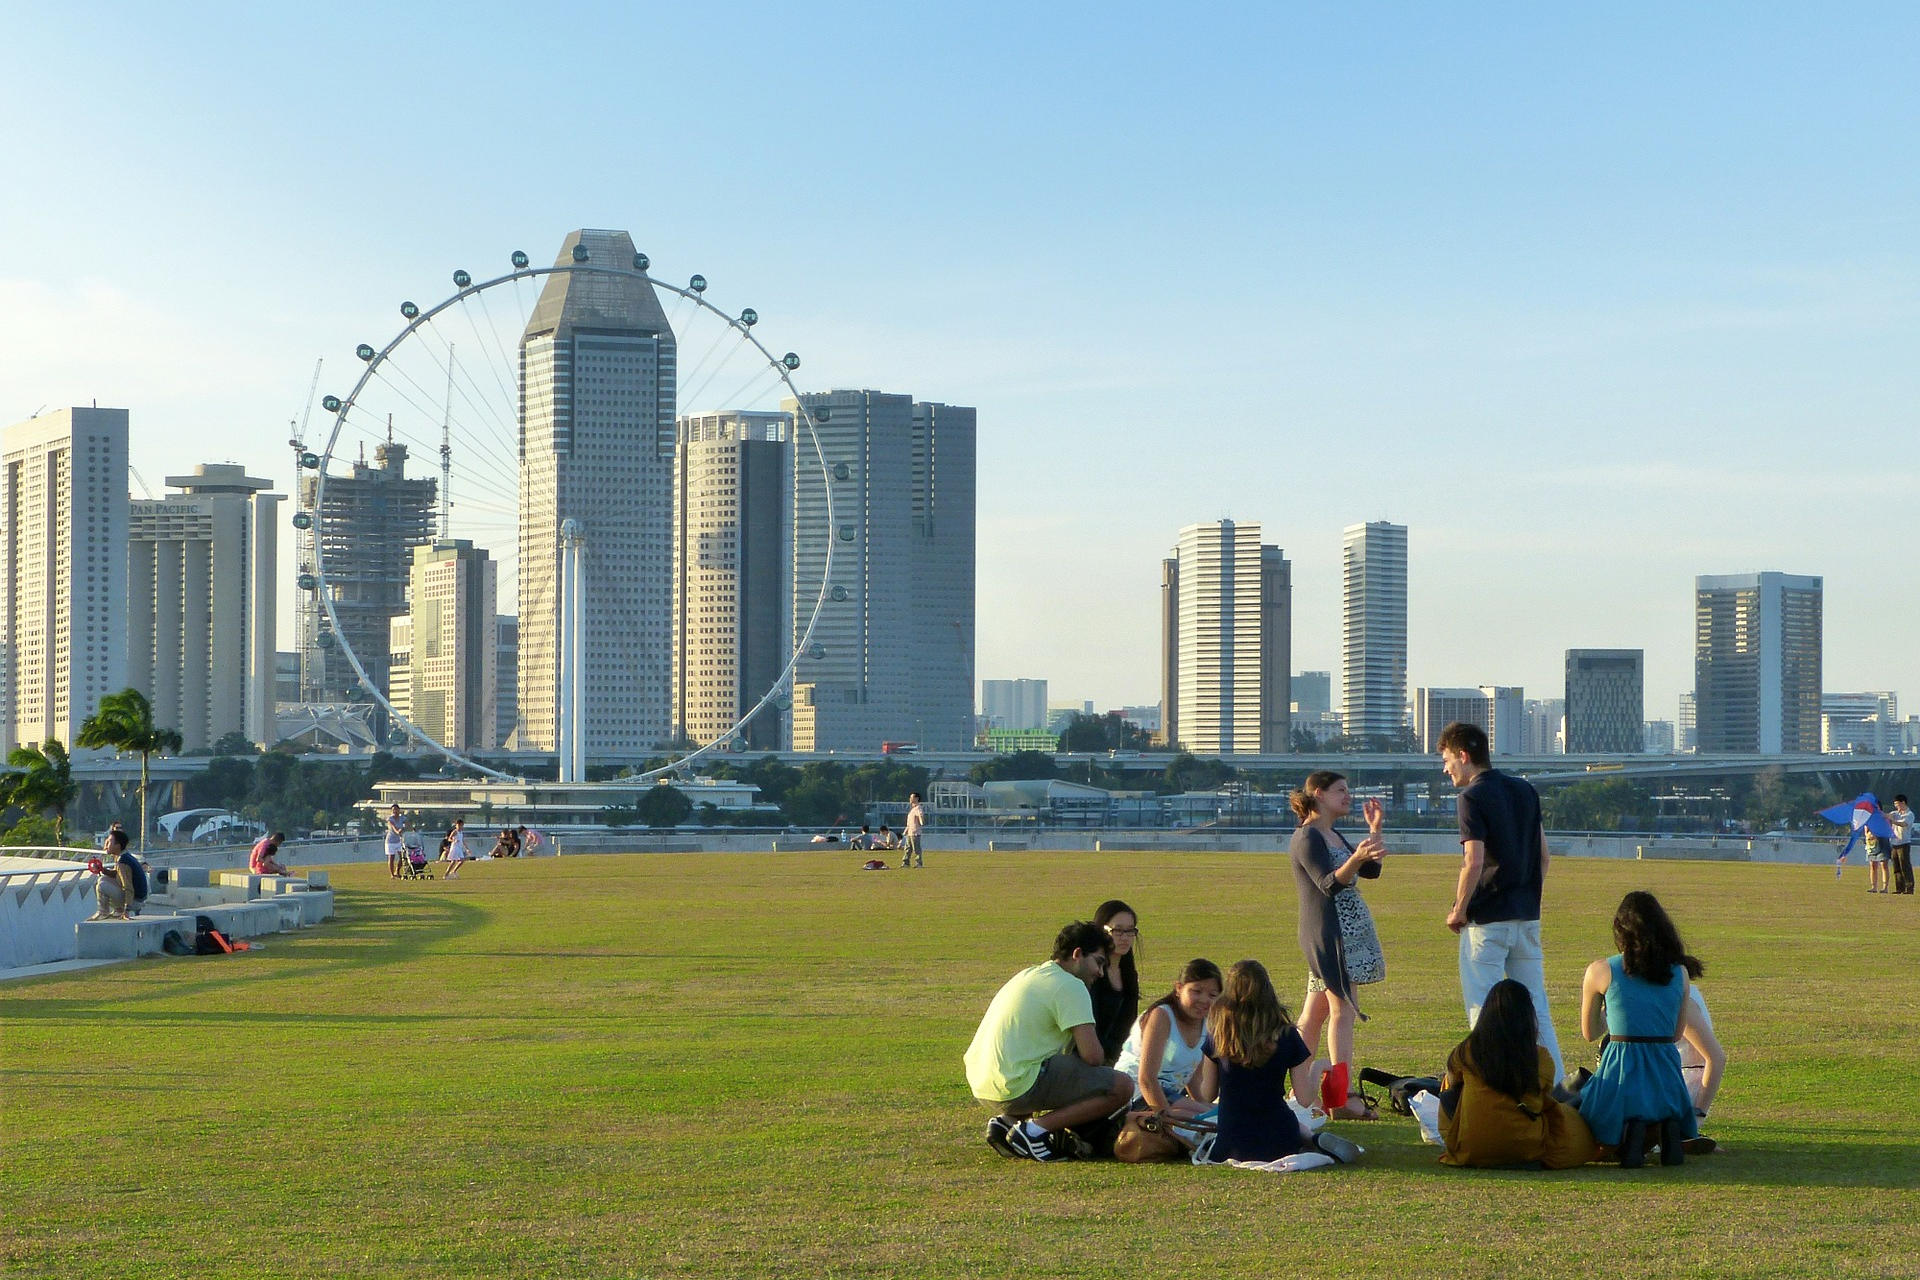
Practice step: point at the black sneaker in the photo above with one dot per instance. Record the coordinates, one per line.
(997, 1130)
(1341, 1149)
(1027, 1147)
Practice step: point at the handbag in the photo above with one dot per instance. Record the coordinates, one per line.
(1147, 1137)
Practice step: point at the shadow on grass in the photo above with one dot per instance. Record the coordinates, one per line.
(368, 931)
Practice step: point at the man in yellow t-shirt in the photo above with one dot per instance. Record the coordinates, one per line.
(1019, 1061)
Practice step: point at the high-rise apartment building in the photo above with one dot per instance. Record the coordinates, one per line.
(598, 364)
(732, 483)
(1542, 730)
(1506, 718)
(453, 642)
(63, 534)
(1373, 651)
(1686, 727)
(1228, 659)
(1606, 703)
(506, 704)
(1757, 662)
(891, 658)
(201, 572)
(1013, 704)
(1658, 737)
(369, 522)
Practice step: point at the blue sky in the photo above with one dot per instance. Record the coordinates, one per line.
(1593, 301)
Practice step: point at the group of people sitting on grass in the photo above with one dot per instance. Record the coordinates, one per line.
(1219, 1065)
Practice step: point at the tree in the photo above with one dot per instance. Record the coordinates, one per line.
(235, 743)
(1018, 767)
(46, 783)
(124, 722)
(663, 807)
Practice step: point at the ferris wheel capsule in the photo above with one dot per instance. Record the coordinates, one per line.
(823, 414)
(310, 460)
(749, 317)
(698, 284)
(461, 279)
(519, 260)
(302, 520)
(641, 262)
(841, 471)
(364, 351)
(816, 651)
(790, 360)
(579, 253)
(847, 533)
(308, 582)
(331, 404)
(408, 310)
(839, 593)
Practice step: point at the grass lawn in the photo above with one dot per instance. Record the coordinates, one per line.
(740, 1065)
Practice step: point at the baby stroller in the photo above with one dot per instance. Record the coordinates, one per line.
(414, 864)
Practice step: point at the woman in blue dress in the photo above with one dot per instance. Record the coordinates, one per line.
(1638, 998)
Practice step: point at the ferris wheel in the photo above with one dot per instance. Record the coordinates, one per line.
(539, 411)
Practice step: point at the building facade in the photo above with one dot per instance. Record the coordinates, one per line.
(1606, 701)
(1373, 650)
(506, 704)
(201, 604)
(891, 657)
(1542, 731)
(63, 534)
(1013, 704)
(598, 369)
(451, 664)
(732, 480)
(1230, 621)
(368, 523)
(1757, 663)
(1861, 723)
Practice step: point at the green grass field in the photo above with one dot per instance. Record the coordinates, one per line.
(741, 1065)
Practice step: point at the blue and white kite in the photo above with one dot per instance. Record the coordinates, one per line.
(1862, 813)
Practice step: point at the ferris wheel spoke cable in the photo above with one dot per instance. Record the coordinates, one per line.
(381, 372)
(506, 361)
(455, 371)
(701, 363)
(756, 385)
(378, 431)
(692, 399)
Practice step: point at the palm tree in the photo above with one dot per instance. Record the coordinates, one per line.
(45, 783)
(124, 722)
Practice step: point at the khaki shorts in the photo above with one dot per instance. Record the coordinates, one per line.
(1063, 1081)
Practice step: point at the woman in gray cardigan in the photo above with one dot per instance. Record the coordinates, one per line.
(1336, 929)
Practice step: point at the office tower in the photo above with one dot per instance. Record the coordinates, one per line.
(1312, 692)
(730, 608)
(1506, 718)
(1541, 734)
(1435, 709)
(286, 676)
(371, 520)
(201, 570)
(1657, 738)
(1229, 665)
(1860, 723)
(1373, 653)
(597, 386)
(506, 704)
(891, 658)
(1014, 704)
(941, 574)
(63, 617)
(1146, 718)
(1756, 662)
(400, 666)
(453, 645)
(1606, 708)
(1686, 726)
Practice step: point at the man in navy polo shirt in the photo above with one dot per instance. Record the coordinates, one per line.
(1496, 906)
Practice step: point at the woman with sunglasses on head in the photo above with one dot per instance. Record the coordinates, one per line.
(1116, 997)
(1336, 929)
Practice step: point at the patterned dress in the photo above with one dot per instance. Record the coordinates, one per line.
(1337, 936)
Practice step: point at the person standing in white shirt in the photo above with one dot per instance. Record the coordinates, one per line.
(910, 834)
(1901, 816)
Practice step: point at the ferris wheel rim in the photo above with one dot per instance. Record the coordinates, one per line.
(783, 367)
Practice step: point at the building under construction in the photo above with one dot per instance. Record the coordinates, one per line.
(367, 525)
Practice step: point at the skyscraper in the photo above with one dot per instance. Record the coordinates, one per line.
(732, 480)
(371, 520)
(453, 645)
(1014, 704)
(1756, 662)
(1501, 710)
(63, 533)
(201, 568)
(597, 384)
(1229, 603)
(1606, 706)
(1373, 652)
(892, 656)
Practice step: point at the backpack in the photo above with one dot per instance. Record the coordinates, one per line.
(207, 940)
(176, 944)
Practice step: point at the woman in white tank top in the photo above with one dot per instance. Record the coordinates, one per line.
(1163, 1049)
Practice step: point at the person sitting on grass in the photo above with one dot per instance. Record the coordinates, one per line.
(1496, 1102)
(1252, 1051)
(1035, 1057)
(1638, 1000)
(1163, 1051)
(1702, 1059)
(264, 860)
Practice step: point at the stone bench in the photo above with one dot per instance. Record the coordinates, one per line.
(124, 939)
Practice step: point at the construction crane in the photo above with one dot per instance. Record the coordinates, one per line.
(299, 438)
